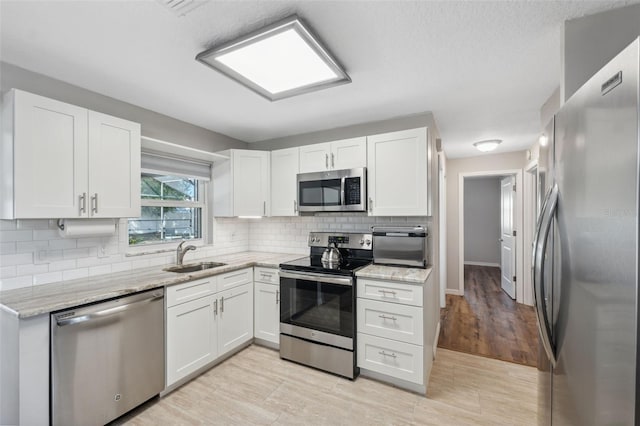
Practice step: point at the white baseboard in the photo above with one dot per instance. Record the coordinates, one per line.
(497, 265)
(454, 291)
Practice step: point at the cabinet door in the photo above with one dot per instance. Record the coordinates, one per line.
(267, 312)
(114, 166)
(397, 173)
(315, 158)
(235, 326)
(251, 183)
(50, 151)
(191, 337)
(349, 153)
(284, 168)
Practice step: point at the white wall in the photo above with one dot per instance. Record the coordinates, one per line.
(482, 220)
(482, 163)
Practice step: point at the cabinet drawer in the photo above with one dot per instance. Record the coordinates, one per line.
(390, 320)
(235, 278)
(266, 275)
(395, 359)
(190, 291)
(387, 291)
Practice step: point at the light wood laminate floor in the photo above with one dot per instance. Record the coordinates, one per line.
(257, 387)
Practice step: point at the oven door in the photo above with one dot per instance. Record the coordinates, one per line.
(317, 307)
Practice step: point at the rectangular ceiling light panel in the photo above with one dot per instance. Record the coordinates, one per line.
(277, 62)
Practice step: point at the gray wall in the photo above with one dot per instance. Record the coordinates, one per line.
(154, 125)
(363, 129)
(592, 41)
(482, 220)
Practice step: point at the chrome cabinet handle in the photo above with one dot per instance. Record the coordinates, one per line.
(392, 318)
(384, 292)
(83, 203)
(540, 247)
(295, 206)
(370, 204)
(392, 354)
(222, 304)
(94, 203)
(326, 161)
(277, 296)
(215, 307)
(333, 162)
(264, 208)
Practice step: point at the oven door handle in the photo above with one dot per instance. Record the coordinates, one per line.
(323, 278)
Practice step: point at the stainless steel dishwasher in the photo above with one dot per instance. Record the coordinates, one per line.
(106, 358)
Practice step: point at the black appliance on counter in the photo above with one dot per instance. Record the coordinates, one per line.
(317, 306)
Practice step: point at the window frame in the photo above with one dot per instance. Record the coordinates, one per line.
(201, 203)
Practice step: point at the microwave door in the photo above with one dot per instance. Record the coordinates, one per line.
(319, 195)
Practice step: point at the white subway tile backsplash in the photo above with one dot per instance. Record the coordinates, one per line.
(7, 248)
(17, 282)
(21, 235)
(32, 224)
(49, 277)
(8, 271)
(31, 246)
(99, 270)
(46, 234)
(62, 244)
(62, 265)
(31, 269)
(17, 259)
(7, 225)
(121, 266)
(74, 253)
(73, 274)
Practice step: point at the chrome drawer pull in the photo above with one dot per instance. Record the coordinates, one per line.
(392, 355)
(277, 296)
(384, 292)
(386, 317)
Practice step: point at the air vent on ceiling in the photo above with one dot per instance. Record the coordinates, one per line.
(181, 7)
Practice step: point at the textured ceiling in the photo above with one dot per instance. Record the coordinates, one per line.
(484, 68)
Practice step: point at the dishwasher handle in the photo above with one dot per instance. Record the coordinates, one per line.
(106, 312)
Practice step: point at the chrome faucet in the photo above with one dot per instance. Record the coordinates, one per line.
(180, 252)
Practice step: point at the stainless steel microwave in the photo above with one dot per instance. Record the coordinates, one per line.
(333, 191)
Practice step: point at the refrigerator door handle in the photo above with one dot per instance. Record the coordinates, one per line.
(539, 249)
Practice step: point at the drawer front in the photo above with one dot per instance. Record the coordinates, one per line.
(235, 278)
(390, 320)
(266, 275)
(192, 290)
(396, 359)
(387, 291)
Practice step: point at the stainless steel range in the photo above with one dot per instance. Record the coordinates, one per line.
(318, 296)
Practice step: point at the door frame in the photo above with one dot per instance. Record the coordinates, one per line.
(521, 289)
(529, 216)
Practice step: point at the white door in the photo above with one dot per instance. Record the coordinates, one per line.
(349, 153)
(315, 158)
(235, 308)
(507, 237)
(114, 166)
(267, 312)
(251, 183)
(397, 173)
(284, 168)
(50, 158)
(191, 337)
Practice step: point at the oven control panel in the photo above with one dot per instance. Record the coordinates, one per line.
(351, 240)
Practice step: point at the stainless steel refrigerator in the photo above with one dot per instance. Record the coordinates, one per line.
(586, 253)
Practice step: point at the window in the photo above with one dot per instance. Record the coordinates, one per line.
(172, 209)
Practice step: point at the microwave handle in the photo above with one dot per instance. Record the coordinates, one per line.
(342, 194)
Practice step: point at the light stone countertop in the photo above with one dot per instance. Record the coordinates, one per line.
(43, 299)
(394, 273)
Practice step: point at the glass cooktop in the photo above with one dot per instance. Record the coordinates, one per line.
(314, 264)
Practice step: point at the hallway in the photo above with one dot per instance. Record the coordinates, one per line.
(487, 322)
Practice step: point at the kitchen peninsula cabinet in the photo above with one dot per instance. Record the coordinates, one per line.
(241, 183)
(336, 155)
(397, 173)
(59, 161)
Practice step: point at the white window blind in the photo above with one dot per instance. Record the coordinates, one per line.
(162, 164)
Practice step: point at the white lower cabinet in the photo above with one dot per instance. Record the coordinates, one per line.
(191, 337)
(390, 325)
(267, 312)
(204, 324)
(235, 323)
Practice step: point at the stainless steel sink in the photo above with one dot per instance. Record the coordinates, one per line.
(194, 267)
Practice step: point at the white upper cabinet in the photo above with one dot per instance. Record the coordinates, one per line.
(398, 173)
(241, 184)
(284, 168)
(63, 161)
(343, 154)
